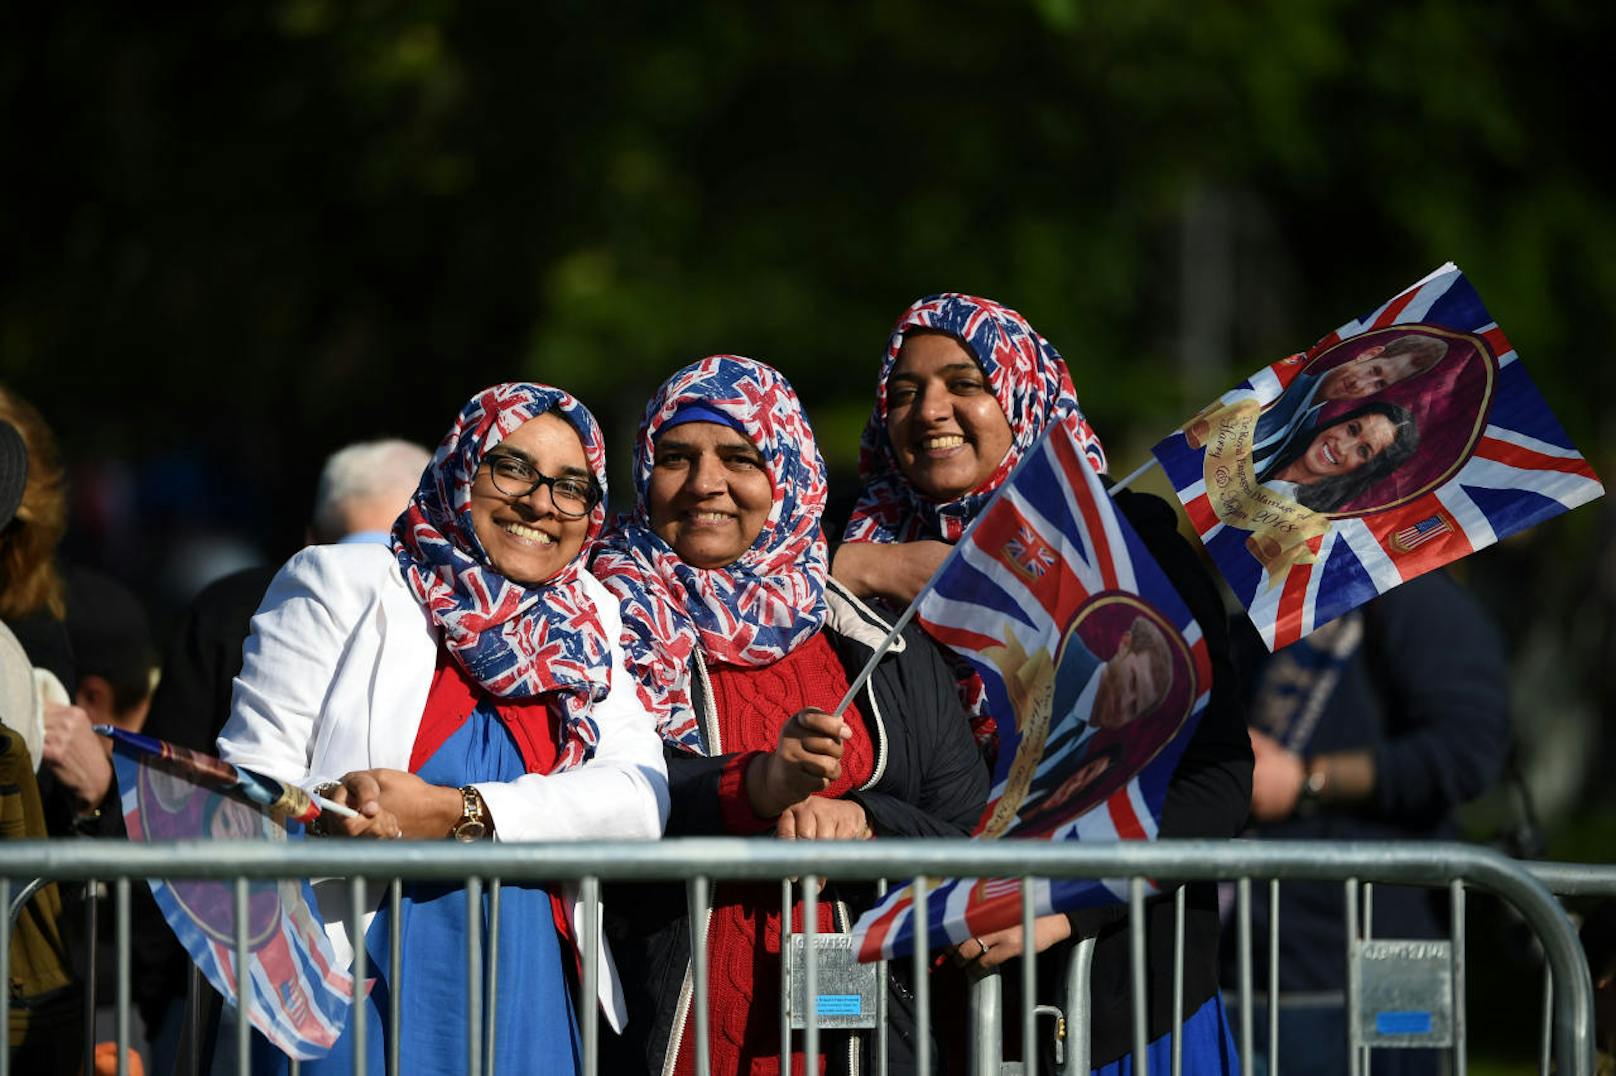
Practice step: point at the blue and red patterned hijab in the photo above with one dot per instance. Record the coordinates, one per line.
(1032, 385)
(517, 642)
(751, 612)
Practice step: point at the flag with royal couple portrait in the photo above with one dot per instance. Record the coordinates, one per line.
(1094, 669)
(298, 993)
(1405, 439)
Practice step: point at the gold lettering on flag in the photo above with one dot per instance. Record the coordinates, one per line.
(1283, 533)
(1030, 682)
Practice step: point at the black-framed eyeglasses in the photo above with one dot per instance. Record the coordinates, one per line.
(572, 495)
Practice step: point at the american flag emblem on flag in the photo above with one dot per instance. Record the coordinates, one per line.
(1404, 440)
(1411, 538)
(1047, 635)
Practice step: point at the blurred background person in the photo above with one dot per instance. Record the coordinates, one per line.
(45, 1027)
(1375, 727)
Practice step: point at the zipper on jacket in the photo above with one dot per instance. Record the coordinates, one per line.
(687, 994)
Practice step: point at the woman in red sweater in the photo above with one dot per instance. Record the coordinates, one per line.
(742, 648)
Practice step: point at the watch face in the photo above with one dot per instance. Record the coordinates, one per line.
(470, 831)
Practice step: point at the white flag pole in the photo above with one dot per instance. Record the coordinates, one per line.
(1135, 474)
(880, 652)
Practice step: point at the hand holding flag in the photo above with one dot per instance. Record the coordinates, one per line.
(1095, 670)
(296, 995)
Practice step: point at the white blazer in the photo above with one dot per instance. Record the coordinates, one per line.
(335, 676)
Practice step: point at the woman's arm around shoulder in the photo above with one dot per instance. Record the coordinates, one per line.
(620, 793)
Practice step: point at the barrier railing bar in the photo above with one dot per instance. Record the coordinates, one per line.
(1545, 1062)
(92, 944)
(1029, 983)
(698, 896)
(1242, 904)
(589, 1016)
(1427, 864)
(1456, 909)
(987, 1022)
(810, 973)
(1368, 933)
(194, 1001)
(361, 960)
(243, 1025)
(120, 915)
(1178, 981)
(5, 974)
(1078, 1020)
(1273, 977)
(786, 983)
(1136, 968)
(491, 979)
(1575, 879)
(474, 974)
(922, 965)
(395, 961)
(1350, 915)
(880, 1002)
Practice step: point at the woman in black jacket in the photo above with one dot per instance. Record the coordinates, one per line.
(966, 389)
(743, 650)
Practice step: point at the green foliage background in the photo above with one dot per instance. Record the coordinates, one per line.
(254, 231)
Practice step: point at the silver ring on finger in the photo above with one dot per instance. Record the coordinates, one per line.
(984, 946)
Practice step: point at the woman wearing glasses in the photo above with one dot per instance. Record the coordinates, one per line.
(466, 684)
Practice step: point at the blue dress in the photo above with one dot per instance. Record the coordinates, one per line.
(536, 1029)
(1208, 1050)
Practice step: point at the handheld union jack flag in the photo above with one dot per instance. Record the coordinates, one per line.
(298, 994)
(1078, 636)
(1402, 441)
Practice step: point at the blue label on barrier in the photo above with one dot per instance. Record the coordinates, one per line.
(839, 1005)
(1403, 1023)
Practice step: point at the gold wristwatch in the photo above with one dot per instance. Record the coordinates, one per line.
(473, 824)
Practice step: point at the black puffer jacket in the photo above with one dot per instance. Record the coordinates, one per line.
(928, 781)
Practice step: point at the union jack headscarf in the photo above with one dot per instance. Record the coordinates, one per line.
(751, 612)
(1032, 385)
(516, 641)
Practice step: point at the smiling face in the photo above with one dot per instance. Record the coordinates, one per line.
(1341, 449)
(1367, 374)
(525, 539)
(948, 432)
(709, 494)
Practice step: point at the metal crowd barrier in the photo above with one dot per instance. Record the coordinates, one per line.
(697, 862)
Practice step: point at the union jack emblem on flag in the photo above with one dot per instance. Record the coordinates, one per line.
(1028, 555)
(1045, 633)
(1405, 439)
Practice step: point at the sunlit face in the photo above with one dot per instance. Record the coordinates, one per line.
(1341, 449)
(526, 539)
(1366, 375)
(709, 494)
(1129, 687)
(948, 432)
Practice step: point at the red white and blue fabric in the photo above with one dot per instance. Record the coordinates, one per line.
(988, 594)
(1521, 470)
(297, 994)
(518, 642)
(752, 612)
(1032, 384)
